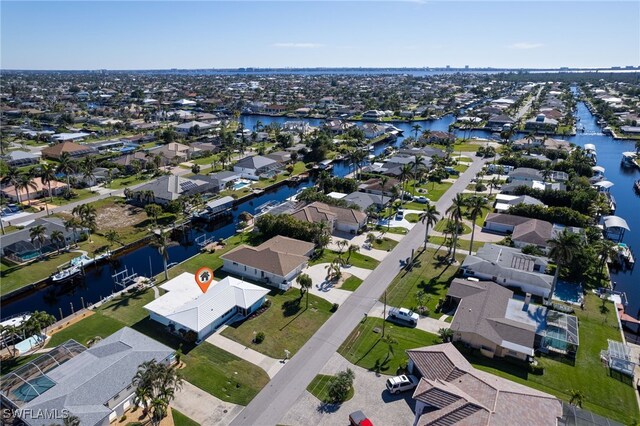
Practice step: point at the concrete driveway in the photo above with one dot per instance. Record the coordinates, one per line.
(204, 408)
(370, 396)
(322, 288)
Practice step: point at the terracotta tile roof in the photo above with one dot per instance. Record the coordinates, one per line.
(55, 151)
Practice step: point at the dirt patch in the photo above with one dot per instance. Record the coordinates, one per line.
(345, 276)
(120, 216)
(66, 323)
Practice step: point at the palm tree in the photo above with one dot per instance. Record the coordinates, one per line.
(342, 244)
(563, 249)
(430, 218)
(305, 284)
(156, 384)
(38, 233)
(353, 248)
(416, 129)
(162, 243)
(11, 177)
(475, 206)
(405, 172)
(48, 175)
(57, 237)
(383, 182)
(74, 224)
(446, 334)
(416, 163)
(605, 249)
(66, 166)
(25, 181)
(455, 214)
(87, 215)
(88, 167)
(112, 236)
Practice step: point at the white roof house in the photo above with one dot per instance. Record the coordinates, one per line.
(186, 306)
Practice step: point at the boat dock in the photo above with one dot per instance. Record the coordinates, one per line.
(215, 209)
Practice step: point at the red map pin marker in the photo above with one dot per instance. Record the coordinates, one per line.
(204, 277)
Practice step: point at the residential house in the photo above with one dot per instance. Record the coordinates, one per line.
(93, 384)
(541, 124)
(256, 166)
(276, 262)
(73, 149)
(19, 158)
(452, 392)
(275, 109)
(175, 152)
(374, 186)
(18, 245)
(509, 267)
(372, 130)
(282, 157)
(372, 115)
(191, 127)
(499, 121)
(185, 308)
(505, 201)
(524, 174)
(170, 188)
(37, 191)
(510, 188)
(365, 200)
(340, 219)
(223, 179)
(440, 137)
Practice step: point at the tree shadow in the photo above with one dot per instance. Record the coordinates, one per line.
(328, 407)
(367, 352)
(124, 300)
(291, 307)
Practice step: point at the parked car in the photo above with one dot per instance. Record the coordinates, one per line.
(402, 383)
(399, 214)
(357, 418)
(404, 314)
(421, 199)
(451, 171)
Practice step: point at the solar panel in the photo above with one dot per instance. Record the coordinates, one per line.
(188, 185)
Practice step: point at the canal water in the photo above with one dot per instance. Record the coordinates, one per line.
(146, 260)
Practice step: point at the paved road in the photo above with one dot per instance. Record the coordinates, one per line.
(525, 107)
(282, 392)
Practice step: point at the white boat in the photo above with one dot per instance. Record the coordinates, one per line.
(15, 320)
(629, 159)
(66, 274)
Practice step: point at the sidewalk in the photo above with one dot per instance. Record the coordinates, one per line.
(204, 408)
(268, 364)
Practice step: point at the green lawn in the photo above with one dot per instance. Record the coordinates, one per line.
(223, 375)
(429, 275)
(16, 276)
(319, 387)
(392, 229)
(8, 365)
(123, 182)
(81, 194)
(298, 168)
(442, 225)
(351, 283)
(357, 259)
(462, 244)
(287, 324)
(86, 329)
(180, 419)
(366, 348)
(412, 217)
(128, 308)
(434, 191)
(212, 260)
(603, 394)
(386, 244)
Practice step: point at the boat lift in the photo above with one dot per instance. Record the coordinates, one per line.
(203, 240)
(124, 278)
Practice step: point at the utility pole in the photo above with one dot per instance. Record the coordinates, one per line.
(384, 312)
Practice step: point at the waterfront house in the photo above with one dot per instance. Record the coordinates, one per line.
(257, 166)
(365, 200)
(505, 201)
(510, 188)
(509, 267)
(339, 219)
(223, 179)
(73, 149)
(193, 126)
(541, 124)
(373, 130)
(170, 188)
(451, 391)
(440, 137)
(93, 384)
(372, 115)
(374, 186)
(18, 246)
(276, 262)
(524, 174)
(19, 158)
(184, 308)
(175, 152)
(498, 121)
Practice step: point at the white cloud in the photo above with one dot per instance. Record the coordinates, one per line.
(298, 45)
(525, 46)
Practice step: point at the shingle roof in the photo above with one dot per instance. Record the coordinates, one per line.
(72, 148)
(88, 381)
(279, 255)
(321, 212)
(473, 397)
(533, 231)
(255, 162)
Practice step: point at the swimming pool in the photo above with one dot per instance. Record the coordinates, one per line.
(568, 292)
(32, 388)
(28, 344)
(241, 184)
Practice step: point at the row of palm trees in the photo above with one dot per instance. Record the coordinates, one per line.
(33, 326)
(156, 386)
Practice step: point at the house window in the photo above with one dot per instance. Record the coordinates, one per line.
(235, 264)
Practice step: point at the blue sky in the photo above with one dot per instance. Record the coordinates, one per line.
(167, 34)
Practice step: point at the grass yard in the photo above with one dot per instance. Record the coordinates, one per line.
(357, 259)
(211, 260)
(603, 394)
(351, 283)
(127, 181)
(385, 244)
(366, 348)
(222, 374)
(442, 225)
(392, 229)
(319, 387)
(287, 324)
(462, 244)
(431, 190)
(128, 308)
(17, 276)
(81, 194)
(180, 419)
(298, 168)
(429, 275)
(8, 365)
(86, 329)
(412, 217)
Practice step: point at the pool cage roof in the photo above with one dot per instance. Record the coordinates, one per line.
(619, 356)
(31, 380)
(563, 327)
